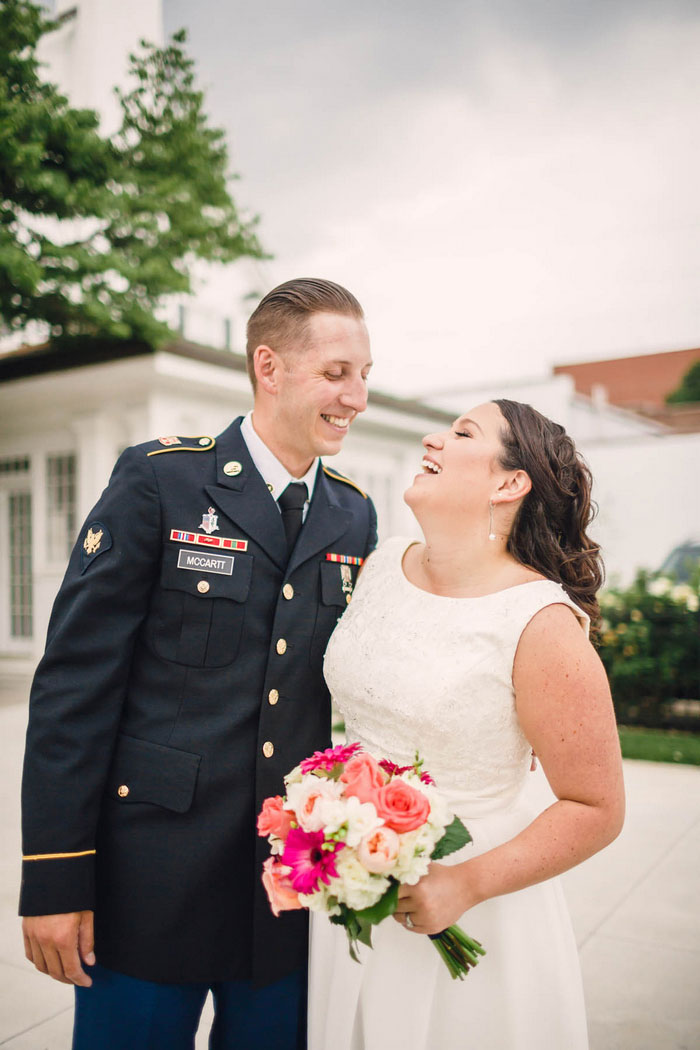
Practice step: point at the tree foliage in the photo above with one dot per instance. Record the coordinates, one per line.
(128, 216)
(689, 388)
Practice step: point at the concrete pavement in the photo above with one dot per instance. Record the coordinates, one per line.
(634, 908)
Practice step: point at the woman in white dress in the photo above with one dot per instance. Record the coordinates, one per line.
(469, 648)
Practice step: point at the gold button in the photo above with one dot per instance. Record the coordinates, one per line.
(288, 591)
(204, 441)
(203, 587)
(281, 646)
(268, 749)
(122, 791)
(348, 598)
(273, 696)
(232, 469)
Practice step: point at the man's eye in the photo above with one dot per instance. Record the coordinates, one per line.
(334, 375)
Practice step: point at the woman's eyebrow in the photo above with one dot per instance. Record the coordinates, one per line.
(472, 422)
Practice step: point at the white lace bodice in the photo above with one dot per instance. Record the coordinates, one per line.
(411, 671)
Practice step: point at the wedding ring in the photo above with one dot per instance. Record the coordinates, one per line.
(408, 921)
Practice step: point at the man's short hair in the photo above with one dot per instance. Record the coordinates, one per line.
(280, 320)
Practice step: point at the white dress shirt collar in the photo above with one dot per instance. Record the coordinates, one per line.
(274, 474)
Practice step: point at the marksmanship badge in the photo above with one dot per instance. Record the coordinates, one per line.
(208, 522)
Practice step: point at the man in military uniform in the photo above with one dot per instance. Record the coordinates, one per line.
(182, 679)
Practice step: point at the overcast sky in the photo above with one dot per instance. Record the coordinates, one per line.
(505, 184)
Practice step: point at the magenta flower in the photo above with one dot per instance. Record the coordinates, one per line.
(395, 771)
(309, 861)
(332, 756)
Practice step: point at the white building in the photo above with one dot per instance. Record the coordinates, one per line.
(64, 420)
(644, 474)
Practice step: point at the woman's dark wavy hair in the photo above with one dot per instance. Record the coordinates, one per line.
(549, 531)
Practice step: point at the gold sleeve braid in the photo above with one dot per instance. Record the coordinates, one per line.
(59, 856)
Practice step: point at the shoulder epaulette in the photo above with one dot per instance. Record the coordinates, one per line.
(183, 444)
(340, 477)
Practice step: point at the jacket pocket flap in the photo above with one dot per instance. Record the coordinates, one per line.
(206, 574)
(142, 771)
(337, 582)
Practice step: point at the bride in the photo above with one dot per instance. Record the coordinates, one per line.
(472, 648)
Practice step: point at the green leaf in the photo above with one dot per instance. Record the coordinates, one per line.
(365, 934)
(385, 906)
(456, 836)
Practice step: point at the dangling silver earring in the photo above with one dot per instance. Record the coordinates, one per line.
(492, 534)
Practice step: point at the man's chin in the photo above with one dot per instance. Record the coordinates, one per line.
(330, 444)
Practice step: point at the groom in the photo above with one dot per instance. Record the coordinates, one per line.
(182, 679)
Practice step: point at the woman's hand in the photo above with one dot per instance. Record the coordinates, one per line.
(437, 900)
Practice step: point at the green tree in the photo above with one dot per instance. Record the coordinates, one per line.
(689, 388)
(152, 201)
(52, 163)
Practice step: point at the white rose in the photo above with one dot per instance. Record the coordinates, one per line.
(660, 586)
(306, 800)
(683, 593)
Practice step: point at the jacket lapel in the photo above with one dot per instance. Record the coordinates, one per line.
(244, 497)
(325, 522)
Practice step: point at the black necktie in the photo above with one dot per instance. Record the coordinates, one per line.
(291, 504)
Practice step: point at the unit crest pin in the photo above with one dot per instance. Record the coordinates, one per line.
(209, 520)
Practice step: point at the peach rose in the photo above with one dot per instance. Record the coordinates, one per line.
(280, 892)
(402, 806)
(273, 819)
(363, 777)
(378, 851)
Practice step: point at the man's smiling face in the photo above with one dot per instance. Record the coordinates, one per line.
(322, 386)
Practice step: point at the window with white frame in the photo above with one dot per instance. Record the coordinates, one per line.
(60, 505)
(21, 609)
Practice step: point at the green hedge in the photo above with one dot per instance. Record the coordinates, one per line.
(649, 643)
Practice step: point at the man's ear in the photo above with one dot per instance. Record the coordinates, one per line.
(266, 364)
(514, 487)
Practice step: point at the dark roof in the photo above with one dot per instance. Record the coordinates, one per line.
(44, 359)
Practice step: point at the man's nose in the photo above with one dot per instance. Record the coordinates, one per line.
(354, 395)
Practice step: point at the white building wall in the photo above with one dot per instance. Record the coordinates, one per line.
(88, 54)
(649, 499)
(97, 410)
(644, 475)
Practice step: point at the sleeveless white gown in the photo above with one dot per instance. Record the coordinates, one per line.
(411, 670)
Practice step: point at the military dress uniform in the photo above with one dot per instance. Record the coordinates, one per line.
(182, 679)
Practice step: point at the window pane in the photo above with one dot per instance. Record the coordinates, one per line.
(16, 465)
(21, 596)
(60, 505)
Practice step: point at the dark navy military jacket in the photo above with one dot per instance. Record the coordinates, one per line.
(182, 679)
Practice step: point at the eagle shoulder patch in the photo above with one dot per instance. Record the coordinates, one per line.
(97, 539)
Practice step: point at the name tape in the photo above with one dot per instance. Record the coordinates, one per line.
(222, 563)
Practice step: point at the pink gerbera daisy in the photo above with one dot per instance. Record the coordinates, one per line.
(309, 861)
(329, 758)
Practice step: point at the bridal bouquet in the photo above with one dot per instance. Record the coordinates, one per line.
(348, 833)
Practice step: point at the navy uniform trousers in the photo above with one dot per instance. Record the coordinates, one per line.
(182, 680)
